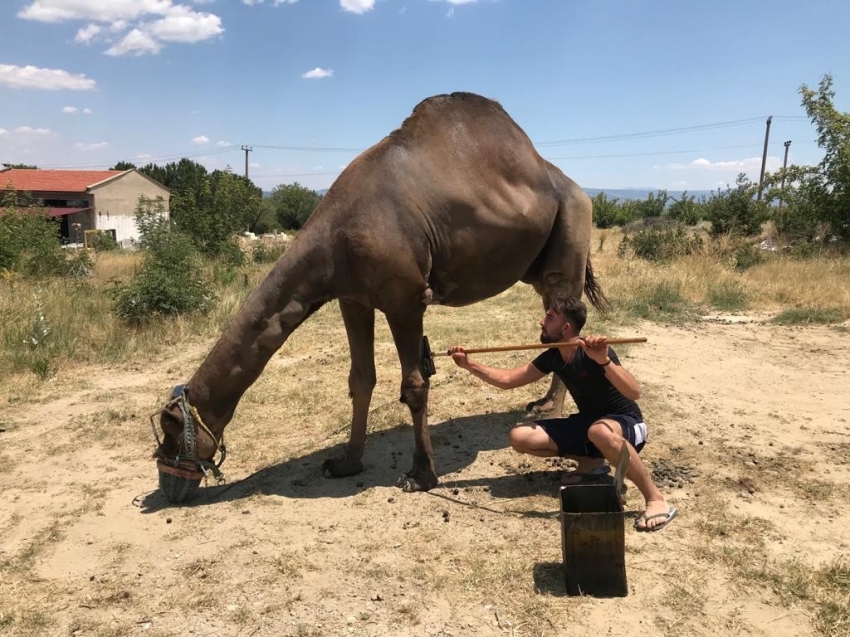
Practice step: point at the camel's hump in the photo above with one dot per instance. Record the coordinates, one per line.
(436, 105)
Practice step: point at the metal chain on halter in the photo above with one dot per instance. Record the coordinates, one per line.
(190, 442)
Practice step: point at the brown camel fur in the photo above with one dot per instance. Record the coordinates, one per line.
(453, 207)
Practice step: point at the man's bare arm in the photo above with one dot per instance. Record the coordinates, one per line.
(501, 378)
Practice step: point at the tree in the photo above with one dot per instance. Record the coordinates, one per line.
(817, 199)
(210, 208)
(293, 204)
(124, 165)
(21, 166)
(736, 211)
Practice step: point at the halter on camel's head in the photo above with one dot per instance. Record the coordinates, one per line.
(185, 439)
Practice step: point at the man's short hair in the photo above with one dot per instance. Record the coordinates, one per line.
(571, 309)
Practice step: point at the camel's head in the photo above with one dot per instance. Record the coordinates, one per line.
(187, 448)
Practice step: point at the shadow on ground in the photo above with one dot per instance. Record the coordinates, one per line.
(388, 455)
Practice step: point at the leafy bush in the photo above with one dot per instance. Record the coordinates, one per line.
(735, 211)
(170, 281)
(104, 242)
(685, 210)
(29, 240)
(608, 213)
(659, 244)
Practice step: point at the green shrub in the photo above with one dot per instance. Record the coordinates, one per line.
(746, 255)
(170, 281)
(659, 244)
(29, 241)
(728, 295)
(104, 242)
(79, 264)
(658, 302)
(685, 210)
(608, 213)
(736, 211)
(804, 316)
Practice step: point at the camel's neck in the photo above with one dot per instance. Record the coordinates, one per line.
(298, 285)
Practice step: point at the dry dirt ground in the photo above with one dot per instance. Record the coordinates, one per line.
(749, 436)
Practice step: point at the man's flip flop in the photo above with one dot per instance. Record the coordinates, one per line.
(576, 477)
(671, 513)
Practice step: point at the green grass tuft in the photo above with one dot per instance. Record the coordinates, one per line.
(807, 316)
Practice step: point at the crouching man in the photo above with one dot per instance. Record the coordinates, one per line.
(605, 394)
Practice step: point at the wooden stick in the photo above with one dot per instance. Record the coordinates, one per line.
(511, 348)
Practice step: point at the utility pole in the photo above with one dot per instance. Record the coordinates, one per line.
(784, 166)
(764, 157)
(247, 150)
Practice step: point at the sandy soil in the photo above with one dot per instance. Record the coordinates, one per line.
(748, 429)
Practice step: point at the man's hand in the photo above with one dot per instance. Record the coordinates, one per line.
(596, 348)
(458, 355)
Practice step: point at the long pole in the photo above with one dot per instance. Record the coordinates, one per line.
(764, 157)
(247, 150)
(784, 166)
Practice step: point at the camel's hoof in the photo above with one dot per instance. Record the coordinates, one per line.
(341, 468)
(409, 482)
(542, 409)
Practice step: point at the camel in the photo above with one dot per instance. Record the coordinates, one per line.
(453, 207)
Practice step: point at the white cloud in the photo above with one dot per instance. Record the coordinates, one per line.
(200, 139)
(183, 24)
(222, 143)
(92, 146)
(151, 22)
(29, 130)
(318, 73)
(254, 165)
(144, 156)
(97, 10)
(3, 131)
(45, 79)
(251, 3)
(86, 111)
(736, 165)
(134, 43)
(87, 33)
(69, 109)
(357, 6)
(277, 3)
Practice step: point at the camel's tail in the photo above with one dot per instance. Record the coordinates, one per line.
(593, 290)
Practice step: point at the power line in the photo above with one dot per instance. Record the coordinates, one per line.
(662, 152)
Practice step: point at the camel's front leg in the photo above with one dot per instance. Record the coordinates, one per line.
(551, 405)
(360, 327)
(407, 333)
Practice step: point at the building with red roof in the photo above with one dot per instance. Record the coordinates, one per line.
(84, 200)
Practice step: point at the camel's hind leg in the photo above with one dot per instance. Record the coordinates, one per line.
(360, 327)
(407, 333)
(562, 268)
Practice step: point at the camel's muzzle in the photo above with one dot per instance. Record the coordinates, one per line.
(180, 477)
(179, 483)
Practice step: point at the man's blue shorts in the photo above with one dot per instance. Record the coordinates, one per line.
(570, 434)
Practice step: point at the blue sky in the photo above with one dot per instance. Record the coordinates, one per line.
(85, 83)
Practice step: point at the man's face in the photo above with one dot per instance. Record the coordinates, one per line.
(553, 327)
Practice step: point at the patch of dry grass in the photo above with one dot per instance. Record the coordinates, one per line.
(708, 278)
